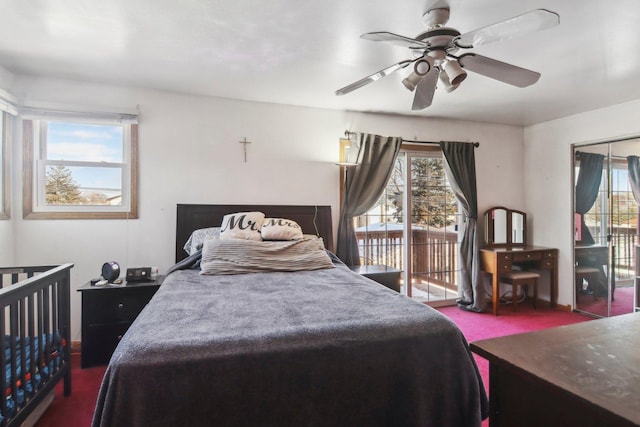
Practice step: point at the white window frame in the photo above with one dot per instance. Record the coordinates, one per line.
(35, 161)
(5, 207)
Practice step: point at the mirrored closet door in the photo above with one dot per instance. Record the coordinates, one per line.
(606, 227)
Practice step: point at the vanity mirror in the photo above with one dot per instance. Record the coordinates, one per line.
(506, 251)
(505, 227)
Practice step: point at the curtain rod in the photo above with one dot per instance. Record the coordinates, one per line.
(475, 144)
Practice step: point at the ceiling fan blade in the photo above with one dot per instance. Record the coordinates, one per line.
(373, 77)
(396, 39)
(498, 70)
(425, 90)
(529, 22)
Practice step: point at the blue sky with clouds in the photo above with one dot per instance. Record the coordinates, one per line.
(87, 143)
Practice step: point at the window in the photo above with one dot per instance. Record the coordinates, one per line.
(80, 167)
(5, 212)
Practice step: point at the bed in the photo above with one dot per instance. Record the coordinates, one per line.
(318, 347)
(35, 349)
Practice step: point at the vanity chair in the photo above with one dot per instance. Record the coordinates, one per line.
(521, 279)
(508, 258)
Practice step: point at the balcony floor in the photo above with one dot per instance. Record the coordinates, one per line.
(431, 293)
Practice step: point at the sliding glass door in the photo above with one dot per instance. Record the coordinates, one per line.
(413, 227)
(606, 235)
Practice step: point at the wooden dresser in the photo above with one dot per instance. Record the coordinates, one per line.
(584, 375)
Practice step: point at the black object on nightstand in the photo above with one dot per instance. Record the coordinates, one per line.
(385, 275)
(107, 313)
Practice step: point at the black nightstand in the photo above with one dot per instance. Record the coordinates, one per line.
(107, 313)
(388, 276)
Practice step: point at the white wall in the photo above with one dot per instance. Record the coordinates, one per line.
(190, 153)
(547, 153)
(6, 226)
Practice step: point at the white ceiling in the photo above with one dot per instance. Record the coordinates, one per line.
(299, 52)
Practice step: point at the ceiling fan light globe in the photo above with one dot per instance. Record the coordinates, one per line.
(421, 67)
(448, 87)
(455, 73)
(458, 79)
(412, 81)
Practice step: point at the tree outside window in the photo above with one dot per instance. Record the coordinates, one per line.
(61, 189)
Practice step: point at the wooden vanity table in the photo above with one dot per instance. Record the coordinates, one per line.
(506, 249)
(498, 260)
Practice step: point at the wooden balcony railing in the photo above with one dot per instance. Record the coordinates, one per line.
(624, 239)
(434, 253)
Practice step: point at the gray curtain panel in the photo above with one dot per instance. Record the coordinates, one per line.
(587, 186)
(460, 167)
(364, 183)
(633, 165)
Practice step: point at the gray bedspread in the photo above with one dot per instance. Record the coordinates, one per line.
(311, 348)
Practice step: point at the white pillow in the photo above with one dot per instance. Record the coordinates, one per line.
(242, 225)
(198, 237)
(280, 229)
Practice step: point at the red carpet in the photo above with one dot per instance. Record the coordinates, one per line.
(623, 303)
(77, 409)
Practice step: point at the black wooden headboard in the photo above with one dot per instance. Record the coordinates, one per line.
(312, 219)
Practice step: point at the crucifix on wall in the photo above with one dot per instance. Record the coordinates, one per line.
(245, 142)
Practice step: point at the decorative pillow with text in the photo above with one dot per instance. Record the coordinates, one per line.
(242, 225)
(280, 229)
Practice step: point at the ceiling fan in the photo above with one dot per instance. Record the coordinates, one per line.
(434, 53)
